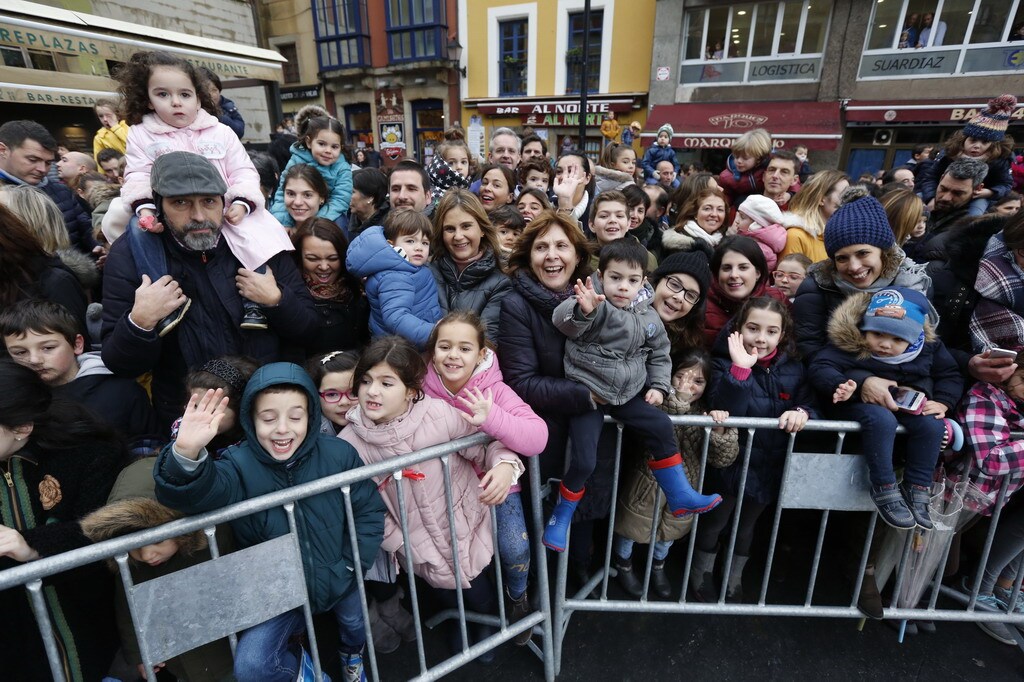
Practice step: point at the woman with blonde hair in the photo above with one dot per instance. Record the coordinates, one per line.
(905, 211)
(813, 205)
(39, 213)
(465, 250)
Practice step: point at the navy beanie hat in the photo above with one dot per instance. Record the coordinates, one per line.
(692, 263)
(899, 312)
(862, 221)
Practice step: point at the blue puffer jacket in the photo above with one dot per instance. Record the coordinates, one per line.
(403, 296)
(247, 470)
(768, 392)
(338, 177)
(655, 154)
(934, 372)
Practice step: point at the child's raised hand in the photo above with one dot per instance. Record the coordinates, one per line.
(235, 213)
(587, 297)
(792, 421)
(740, 356)
(496, 483)
(565, 185)
(654, 397)
(936, 409)
(199, 424)
(479, 403)
(844, 391)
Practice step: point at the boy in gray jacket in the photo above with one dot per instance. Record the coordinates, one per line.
(618, 348)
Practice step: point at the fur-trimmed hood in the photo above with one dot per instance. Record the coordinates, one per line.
(102, 191)
(674, 240)
(81, 266)
(844, 325)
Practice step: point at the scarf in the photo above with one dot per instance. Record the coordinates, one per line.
(331, 291)
(463, 264)
(697, 232)
(909, 355)
(998, 319)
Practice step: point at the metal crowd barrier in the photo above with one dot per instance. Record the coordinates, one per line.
(220, 597)
(825, 481)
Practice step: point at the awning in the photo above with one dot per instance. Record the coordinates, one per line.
(85, 42)
(951, 112)
(715, 126)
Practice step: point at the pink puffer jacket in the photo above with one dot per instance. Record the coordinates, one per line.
(207, 137)
(432, 422)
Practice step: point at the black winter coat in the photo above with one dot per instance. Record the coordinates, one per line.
(48, 492)
(531, 355)
(480, 288)
(934, 372)
(767, 392)
(340, 326)
(211, 326)
(76, 218)
(953, 266)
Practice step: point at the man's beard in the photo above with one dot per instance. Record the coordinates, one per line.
(198, 242)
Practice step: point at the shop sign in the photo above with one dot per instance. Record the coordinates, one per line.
(53, 41)
(31, 95)
(968, 114)
(514, 108)
(906, 63)
(718, 142)
(548, 120)
(300, 93)
(790, 69)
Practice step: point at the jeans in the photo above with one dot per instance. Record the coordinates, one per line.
(977, 206)
(147, 251)
(877, 429)
(624, 548)
(585, 430)
(1007, 545)
(262, 654)
(513, 544)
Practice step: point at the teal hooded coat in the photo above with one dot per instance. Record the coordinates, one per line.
(247, 470)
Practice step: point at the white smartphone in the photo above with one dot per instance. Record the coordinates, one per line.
(995, 352)
(909, 400)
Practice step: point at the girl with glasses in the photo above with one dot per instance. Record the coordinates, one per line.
(332, 374)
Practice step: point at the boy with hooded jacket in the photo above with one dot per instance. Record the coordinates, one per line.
(280, 415)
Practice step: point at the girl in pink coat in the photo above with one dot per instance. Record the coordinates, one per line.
(461, 370)
(761, 219)
(168, 105)
(394, 417)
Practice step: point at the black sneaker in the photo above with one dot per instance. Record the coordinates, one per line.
(165, 325)
(254, 319)
(918, 499)
(892, 507)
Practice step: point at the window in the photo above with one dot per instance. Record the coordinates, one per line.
(416, 30)
(914, 38)
(290, 69)
(755, 42)
(342, 39)
(513, 52)
(574, 57)
(13, 56)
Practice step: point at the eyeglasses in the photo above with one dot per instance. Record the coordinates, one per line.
(780, 274)
(675, 285)
(336, 396)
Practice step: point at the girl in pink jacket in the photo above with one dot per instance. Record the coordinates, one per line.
(461, 371)
(761, 219)
(168, 105)
(394, 417)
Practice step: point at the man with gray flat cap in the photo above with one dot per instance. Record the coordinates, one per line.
(145, 327)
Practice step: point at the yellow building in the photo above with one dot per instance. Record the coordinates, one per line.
(523, 67)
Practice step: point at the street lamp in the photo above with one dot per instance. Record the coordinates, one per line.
(455, 55)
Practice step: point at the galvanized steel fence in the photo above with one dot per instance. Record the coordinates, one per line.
(165, 611)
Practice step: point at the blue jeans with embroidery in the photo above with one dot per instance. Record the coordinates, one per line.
(263, 655)
(513, 544)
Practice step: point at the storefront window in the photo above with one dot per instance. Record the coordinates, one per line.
(914, 38)
(14, 57)
(743, 42)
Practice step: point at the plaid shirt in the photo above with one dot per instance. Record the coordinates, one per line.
(990, 418)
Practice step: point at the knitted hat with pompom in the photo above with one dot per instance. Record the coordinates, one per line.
(990, 125)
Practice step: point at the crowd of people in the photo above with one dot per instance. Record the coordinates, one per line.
(189, 325)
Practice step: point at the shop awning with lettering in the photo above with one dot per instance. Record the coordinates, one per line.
(714, 126)
(81, 45)
(933, 112)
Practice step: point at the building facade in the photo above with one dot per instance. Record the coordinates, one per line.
(57, 61)
(524, 67)
(861, 83)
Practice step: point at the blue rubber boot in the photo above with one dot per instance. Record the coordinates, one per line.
(682, 498)
(557, 531)
(954, 438)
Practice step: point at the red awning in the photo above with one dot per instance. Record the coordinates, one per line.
(709, 126)
(952, 112)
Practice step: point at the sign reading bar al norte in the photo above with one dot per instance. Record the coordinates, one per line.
(97, 47)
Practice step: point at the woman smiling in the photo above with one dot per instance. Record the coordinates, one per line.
(739, 272)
